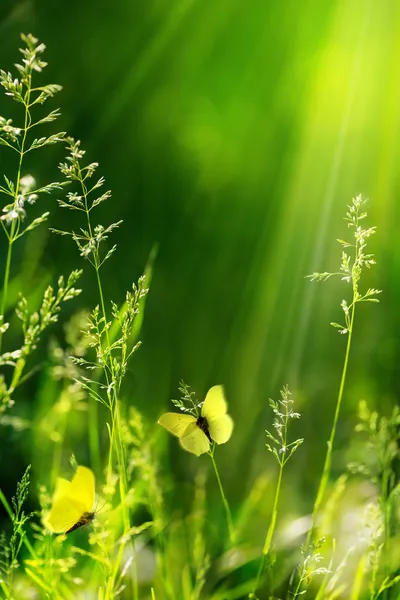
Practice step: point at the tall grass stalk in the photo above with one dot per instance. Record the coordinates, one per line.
(350, 271)
(282, 449)
(270, 532)
(15, 223)
(112, 354)
(225, 502)
(328, 457)
(21, 90)
(20, 194)
(7, 508)
(358, 579)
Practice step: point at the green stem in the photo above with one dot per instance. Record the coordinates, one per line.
(25, 540)
(115, 438)
(116, 422)
(123, 483)
(358, 579)
(115, 405)
(5, 284)
(57, 454)
(103, 308)
(224, 500)
(14, 226)
(271, 530)
(94, 442)
(298, 588)
(328, 457)
(272, 524)
(385, 490)
(10, 513)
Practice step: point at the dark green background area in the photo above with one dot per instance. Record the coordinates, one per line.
(233, 135)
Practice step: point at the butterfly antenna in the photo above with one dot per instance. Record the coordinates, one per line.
(96, 510)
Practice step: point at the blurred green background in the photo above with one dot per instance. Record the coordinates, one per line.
(233, 135)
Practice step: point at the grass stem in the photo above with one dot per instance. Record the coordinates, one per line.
(5, 285)
(14, 225)
(328, 457)
(270, 532)
(224, 500)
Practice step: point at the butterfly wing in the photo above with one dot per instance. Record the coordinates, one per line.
(176, 423)
(72, 499)
(82, 488)
(220, 428)
(63, 488)
(194, 440)
(64, 513)
(220, 425)
(214, 405)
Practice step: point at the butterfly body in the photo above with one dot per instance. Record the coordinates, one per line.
(196, 433)
(85, 519)
(203, 425)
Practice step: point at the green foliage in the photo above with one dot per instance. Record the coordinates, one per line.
(113, 344)
(117, 352)
(309, 568)
(33, 325)
(381, 442)
(17, 138)
(23, 192)
(141, 512)
(10, 548)
(378, 465)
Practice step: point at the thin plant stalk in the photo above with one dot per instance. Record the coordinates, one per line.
(282, 449)
(73, 171)
(15, 224)
(298, 588)
(94, 442)
(6, 279)
(21, 192)
(358, 580)
(350, 270)
(228, 514)
(25, 540)
(115, 404)
(328, 457)
(123, 485)
(271, 530)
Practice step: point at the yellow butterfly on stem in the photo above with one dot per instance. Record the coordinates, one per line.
(212, 425)
(73, 502)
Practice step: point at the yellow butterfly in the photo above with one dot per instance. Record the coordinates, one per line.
(73, 502)
(213, 425)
